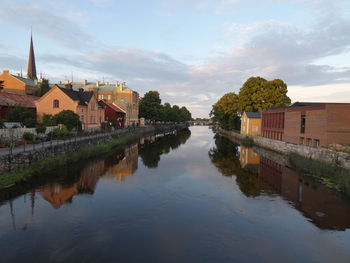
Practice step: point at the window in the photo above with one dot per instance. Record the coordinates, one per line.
(316, 143)
(102, 97)
(303, 123)
(56, 104)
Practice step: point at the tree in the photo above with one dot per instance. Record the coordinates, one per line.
(185, 115)
(150, 106)
(259, 94)
(1, 85)
(23, 115)
(70, 119)
(226, 112)
(43, 88)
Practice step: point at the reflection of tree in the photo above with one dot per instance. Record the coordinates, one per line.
(225, 157)
(151, 150)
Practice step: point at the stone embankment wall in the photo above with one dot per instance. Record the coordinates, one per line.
(337, 158)
(20, 159)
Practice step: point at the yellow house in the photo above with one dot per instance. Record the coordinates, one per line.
(248, 158)
(251, 123)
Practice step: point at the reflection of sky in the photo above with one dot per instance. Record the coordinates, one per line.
(182, 211)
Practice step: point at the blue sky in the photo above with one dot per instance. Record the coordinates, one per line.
(191, 51)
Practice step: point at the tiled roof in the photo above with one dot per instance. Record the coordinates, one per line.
(83, 97)
(10, 99)
(253, 115)
(28, 82)
(112, 106)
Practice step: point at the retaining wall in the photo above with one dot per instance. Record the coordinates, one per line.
(337, 158)
(21, 159)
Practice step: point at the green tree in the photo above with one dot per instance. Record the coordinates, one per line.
(49, 120)
(43, 88)
(150, 106)
(185, 114)
(23, 115)
(259, 94)
(70, 119)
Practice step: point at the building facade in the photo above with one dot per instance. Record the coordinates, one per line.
(83, 103)
(272, 124)
(17, 84)
(114, 114)
(251, 123)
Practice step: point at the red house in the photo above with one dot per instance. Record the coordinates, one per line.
(10, 100)
(114, 114)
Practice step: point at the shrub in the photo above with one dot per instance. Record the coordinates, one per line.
(105, 126)
(28, 136)
(40, 128)
(70, 119)
(23, 115)
(48, 120)
(60, 133)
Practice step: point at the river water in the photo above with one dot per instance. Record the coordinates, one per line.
(190, 197)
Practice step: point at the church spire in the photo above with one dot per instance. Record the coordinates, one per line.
(31, 74)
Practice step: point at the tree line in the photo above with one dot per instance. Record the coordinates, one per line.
(151, 108)
(256, 94)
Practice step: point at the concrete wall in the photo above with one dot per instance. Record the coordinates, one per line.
(340, 159)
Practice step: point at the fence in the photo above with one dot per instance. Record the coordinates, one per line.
(18, 132)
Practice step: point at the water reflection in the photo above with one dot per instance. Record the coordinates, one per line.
(258, 175)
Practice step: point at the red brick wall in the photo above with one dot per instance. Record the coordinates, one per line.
(338, 119)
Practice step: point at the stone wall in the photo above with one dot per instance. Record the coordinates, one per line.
(23, 159)
(337, 158)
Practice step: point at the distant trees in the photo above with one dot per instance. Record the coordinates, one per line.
(151, 108)
(43, 88)
(256, 94)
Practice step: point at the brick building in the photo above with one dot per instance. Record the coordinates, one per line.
(307, 123)
(273, 123)
(83, 103)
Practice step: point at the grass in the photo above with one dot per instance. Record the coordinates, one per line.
(247, 142)
(49, 164)
(331, 176)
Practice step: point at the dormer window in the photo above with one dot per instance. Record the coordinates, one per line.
(56, 103)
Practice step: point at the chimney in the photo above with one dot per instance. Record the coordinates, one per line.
(66, 81)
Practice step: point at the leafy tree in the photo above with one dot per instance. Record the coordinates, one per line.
(49, 120)
(226, 112)
(43, 88)
(259, 94)
(150, 106)
(185, 115)
(23, 115)
(70, 119)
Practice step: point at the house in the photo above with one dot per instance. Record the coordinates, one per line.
(17, 84)
(10, 100)
(83, 103)
(119, 94)
(309, 123)
(114, 114)
(251, 123)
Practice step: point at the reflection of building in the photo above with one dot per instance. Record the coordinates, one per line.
(251, 123)
(325, 208)
(57, 194)
(248, 158)
(126, 166)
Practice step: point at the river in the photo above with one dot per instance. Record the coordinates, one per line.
(190, 197)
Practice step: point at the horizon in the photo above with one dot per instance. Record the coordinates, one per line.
(192, 52)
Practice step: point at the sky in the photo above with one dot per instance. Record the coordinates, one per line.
(191, 51)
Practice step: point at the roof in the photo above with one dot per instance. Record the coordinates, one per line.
(83, 97)
(253, 115)
(303, 104)
(10, 100)
(28, 82)
(112, 106)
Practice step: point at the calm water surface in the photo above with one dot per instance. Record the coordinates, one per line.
(184, 198)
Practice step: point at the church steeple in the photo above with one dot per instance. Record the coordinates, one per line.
(31, 74)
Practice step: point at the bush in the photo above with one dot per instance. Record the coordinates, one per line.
(40, 128)
(23, 115)
(48, 120)
(70, 119)
(60, 133)
(28, 136)
(105, 126)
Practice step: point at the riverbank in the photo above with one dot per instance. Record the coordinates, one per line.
(64, 154)
(331, 157)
